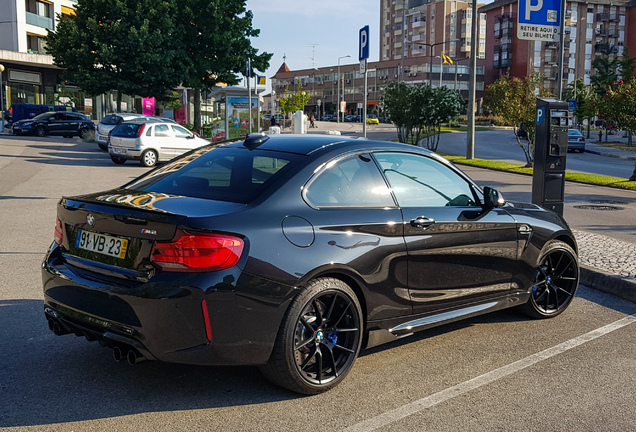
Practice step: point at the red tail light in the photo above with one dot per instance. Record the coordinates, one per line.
(59, 232)
(141, 130)
(197, 252)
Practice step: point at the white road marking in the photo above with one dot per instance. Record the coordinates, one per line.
(487, 378)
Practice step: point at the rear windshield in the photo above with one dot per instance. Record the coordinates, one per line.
(126, 130)
(111, 120)
(219, 173)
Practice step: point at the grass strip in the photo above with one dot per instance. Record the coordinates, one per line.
(595, 179)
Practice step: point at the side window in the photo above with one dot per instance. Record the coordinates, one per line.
(180, 132)
(162, 131)
(149, 131)
(420, 181)
(351, 182)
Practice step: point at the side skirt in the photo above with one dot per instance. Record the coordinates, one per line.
(410, 325)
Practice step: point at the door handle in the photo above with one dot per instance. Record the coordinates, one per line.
(422, 222)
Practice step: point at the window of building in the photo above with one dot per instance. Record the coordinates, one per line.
(36, 44)
(40, 8)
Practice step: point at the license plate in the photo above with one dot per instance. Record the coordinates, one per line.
(102, 243)
(119, 150)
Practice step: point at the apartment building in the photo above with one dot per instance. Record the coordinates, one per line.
(417, 28)
(413, 36)
(29, 73)
(592, 28)
(29, 76)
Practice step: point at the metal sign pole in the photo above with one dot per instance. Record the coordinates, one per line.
(249, 98)
(364, 109)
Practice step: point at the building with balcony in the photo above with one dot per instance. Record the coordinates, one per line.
(29, 76)
(592, 28)
(427, 28)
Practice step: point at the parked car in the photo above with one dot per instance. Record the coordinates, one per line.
(293, 253)
(372, 119)
(576, 141)
(150, 142)
(521, 132)
(111, 120)
(66, 124)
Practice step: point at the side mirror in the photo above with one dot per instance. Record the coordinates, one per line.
(493, 198)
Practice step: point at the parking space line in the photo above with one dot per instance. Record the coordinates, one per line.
(487, 378)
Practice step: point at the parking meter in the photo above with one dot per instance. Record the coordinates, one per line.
(550, 151)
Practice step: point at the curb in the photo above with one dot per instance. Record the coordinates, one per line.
(619, 286)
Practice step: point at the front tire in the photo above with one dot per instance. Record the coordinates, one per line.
(319, 339)
(149, 158)
(556, 281)
(40, 131)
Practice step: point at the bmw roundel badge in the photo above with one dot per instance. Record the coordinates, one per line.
(90, 219)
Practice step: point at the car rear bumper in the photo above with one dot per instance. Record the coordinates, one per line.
(163, 318)
(101, 138)
(125, 152)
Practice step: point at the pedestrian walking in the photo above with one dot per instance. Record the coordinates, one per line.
(311, 121)
(600, 135)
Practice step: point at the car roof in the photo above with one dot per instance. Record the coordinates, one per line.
(315, 144)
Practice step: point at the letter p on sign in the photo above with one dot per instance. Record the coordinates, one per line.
(364, 43)
(530, 8)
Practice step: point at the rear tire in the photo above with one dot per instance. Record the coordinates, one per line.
(118, 160)
(149, 158)
(319, 338)
(555, 283)
(83, 133)
(102, 146)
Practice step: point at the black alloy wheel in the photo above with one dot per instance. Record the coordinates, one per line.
(556, 281)
(319, 339)
(40, 131)
(83, 133)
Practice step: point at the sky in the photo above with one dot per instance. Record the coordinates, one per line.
(314, 33)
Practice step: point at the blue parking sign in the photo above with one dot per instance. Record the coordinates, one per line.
(539, 19)
(364, 43)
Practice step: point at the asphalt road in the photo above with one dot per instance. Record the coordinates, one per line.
(502, 145)
(500, 371)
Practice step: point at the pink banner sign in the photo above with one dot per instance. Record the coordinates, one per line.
(148, 106)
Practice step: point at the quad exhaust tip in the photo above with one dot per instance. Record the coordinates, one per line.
(131, 356)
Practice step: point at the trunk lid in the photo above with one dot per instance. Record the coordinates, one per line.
(114, 232)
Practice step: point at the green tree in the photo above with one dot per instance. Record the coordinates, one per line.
(619, 104)
(441, 105)
(291, 102)
(607, 67)
(123, 45)
(585, 101)
(214, 38)
(514, 99)
(396, 102)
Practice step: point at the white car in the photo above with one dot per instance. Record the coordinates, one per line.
(150, 142)
(109, 122)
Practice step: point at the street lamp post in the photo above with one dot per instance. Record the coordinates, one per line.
(430, 57)
(338, 106)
